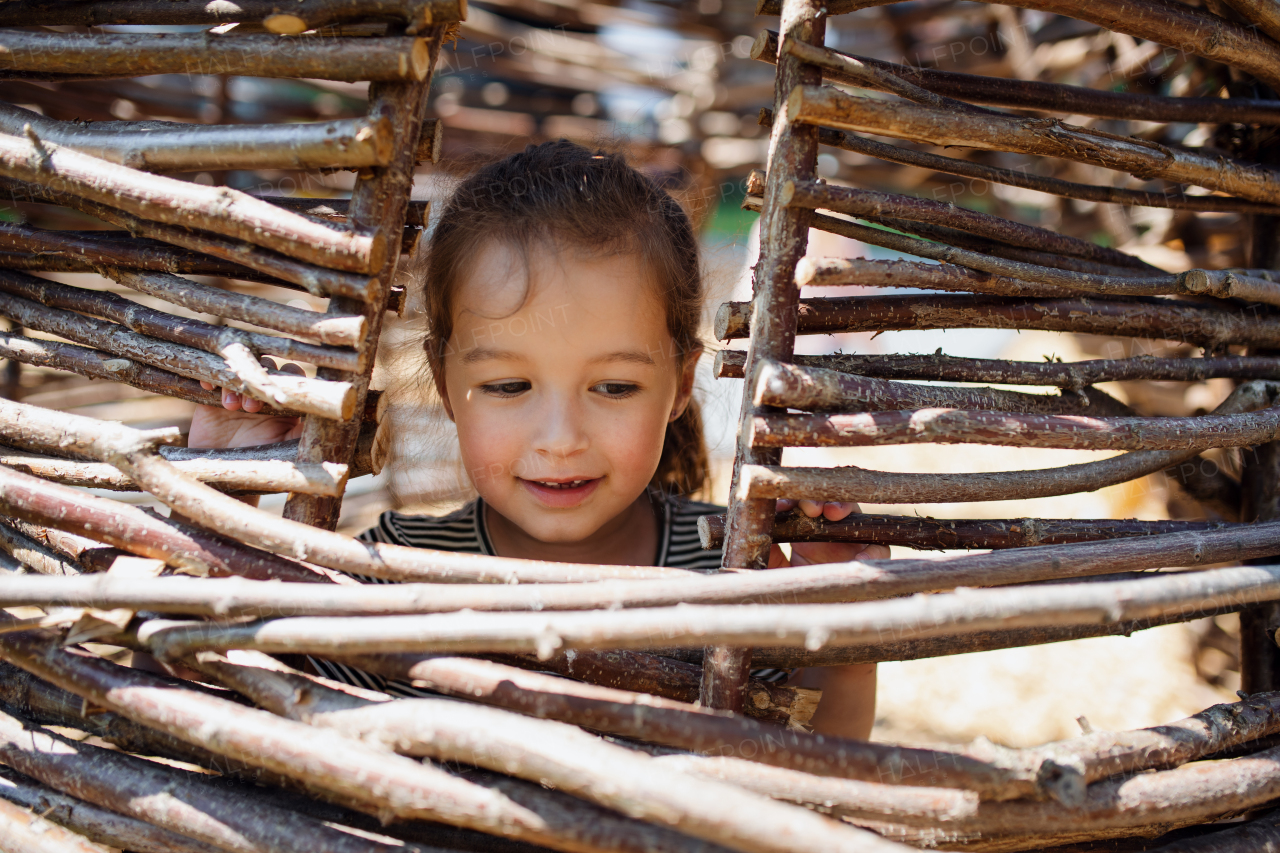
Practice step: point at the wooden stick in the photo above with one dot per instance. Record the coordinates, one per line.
(323, 397)
(138, 532)
(334, 329)
(859, 202)
(1265, 15)
(949, 534)
(1053, 186)
(1198, 324)
(350, 60)
(811, 626)
(130, 451)
(25, 832)
(278, 17)
(840, 797)
(1068, 375)
(1224, 284)
(707, 732)
(815, 389)
(259, 476)
(1070, 100)
(180, 801)
(164, 146)
(182, 330)
(97, 824)
(1195, 31)
(549, 753)
(314, 279)
(668, 678)
(79, 552)
(220, 210)
(952, 426)
(830, 107)
(1258, 834)
(417, 213)
(87, 251)
(784, 236)
(380, 782)
(34, 555)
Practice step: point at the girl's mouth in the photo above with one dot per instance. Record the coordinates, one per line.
(561, 494)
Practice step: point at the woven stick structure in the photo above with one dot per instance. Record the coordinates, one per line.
(522, 706)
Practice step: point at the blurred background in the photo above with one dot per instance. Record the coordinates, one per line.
(673, 86)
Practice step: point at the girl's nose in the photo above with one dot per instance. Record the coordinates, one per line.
(561, 430)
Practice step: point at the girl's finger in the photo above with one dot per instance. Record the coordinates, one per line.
(295, 369)
(267, 361)
(208, 386)
(837, 510)
(251, 405)
(813, 509)
(785, 504)
(230, 400)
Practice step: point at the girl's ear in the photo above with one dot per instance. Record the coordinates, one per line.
(685, 392)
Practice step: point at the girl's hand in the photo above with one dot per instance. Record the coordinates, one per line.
(811, 553)
(235, 424)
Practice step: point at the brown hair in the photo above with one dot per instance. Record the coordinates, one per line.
(565, 193)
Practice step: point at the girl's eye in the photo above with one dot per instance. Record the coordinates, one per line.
(616, 390)
(506, 389)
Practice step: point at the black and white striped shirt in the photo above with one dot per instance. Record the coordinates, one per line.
(464, 531)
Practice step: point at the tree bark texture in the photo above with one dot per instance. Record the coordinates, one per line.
(79, 55)
(221, 210)
(161, 146)
(282, 17)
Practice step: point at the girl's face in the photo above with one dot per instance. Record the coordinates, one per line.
(562, 381)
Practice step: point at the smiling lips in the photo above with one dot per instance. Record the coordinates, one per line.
(561, 494)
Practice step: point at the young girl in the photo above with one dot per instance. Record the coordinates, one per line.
(563, 298)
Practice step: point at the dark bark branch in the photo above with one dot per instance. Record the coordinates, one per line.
(1071, 100)
(1193, 30)
(869, 203)
(713, 733)
(638, 672)
(1067, 375)
(181, 330)
(550, 753)
(181, 801)
(338, 209)
(34, 555)
(789, 386)
(96, 824)
(130, 528)
(26, 832)
(256, 476)
(380, 782)
(162, 146)
(245, 374)
(1198, 324)
(314, 279)
(218, 209)
(949, 534)
(36, 54)
(282, 17)
(1053, 186)
(334, 329)
(1146, 160)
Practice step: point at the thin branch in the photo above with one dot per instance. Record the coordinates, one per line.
(220, 210)
(26, 832)
(549, 753)
(163, 146)
(1074, 375)
(96, 55)
(833, 108)
(281, 17)
(1198, 324)
(950, 534)
(334, 329)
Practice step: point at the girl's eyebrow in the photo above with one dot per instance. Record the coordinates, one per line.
(476, 354)
(633, 356)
